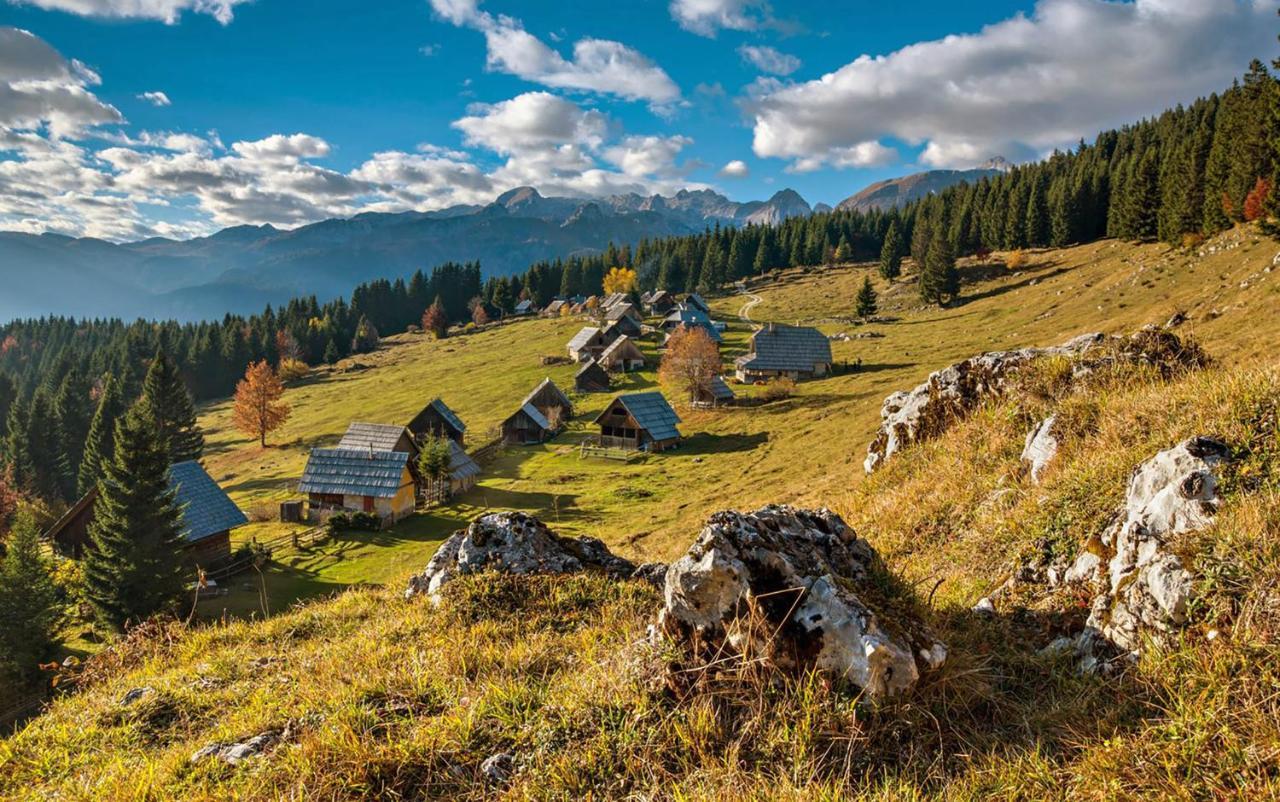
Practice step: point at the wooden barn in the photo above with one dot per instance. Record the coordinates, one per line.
(643, 421)
(437, 420)
(613, 299)
(463, 471)
(548, 399)
(208, 516)
(622, 356)
(587, 344)
(376, 482)
(660, 302)
(696, 301)
(591, 378)
(527, 425)
(796, 352)
(553, 309)
(715, 394)
(626, 317)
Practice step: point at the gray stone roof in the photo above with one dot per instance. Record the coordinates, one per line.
(787, 348)
(376, 436)
(206, 508)
(354, 472)
(687, 315)
(619, 311)
(582, 338)
(461, 466)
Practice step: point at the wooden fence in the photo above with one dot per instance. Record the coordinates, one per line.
(486, 453)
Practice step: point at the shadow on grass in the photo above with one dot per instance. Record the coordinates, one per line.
(706, 443)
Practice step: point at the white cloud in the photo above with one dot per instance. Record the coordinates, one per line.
(282, 148)
(598, 65)
(863, 154)
(1024, 85)
(640, 156)
(768, 59)
(706, 17)
(40, 88)
(735, 169)
(167, 11)
(534, 121)
(156, 98)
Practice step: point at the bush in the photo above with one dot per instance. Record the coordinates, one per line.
(1192, 239)
(1016, 260)
(353, 521)
(292, 370)
(779, 388)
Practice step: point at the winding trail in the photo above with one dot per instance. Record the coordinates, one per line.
(745, 312)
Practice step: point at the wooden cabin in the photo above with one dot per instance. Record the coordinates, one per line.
(587, 344)
(796, 352)
(208, 516)
(591, 378)
(696, 301)
(463, 470)
(715, 394)
(712, 334)
(623, 355)
(377, 482)
(437, 420)
(660, 303)
(525, 307)
(527, 425)
(553, 309)
(643, 421)
(682, 315)
(548, 399)
(613, 299)
(384, 437)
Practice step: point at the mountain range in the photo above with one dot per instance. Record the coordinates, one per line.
(243, 268)
(898, 192)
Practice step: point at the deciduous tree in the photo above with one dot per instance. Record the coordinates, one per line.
(259, 409)
(619, 279)
(690, 362)
(435, 321)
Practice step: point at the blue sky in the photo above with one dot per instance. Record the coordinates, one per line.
(125, 118)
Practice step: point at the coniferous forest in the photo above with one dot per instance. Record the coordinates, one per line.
(1188, 173)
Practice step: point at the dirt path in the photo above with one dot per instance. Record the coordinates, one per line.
(745, 311)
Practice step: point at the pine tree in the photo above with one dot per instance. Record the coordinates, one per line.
(890, 254)
(866, 301)
(843, 252)
(73, 409)
(29, 608)
(1142, 199)
(175, 414)
(48, 474)
(99, 446)
(1037, 216)
(133, 567)
(939, 279)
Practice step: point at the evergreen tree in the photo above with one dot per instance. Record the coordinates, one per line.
(939, 279)
(29, 609)
(99, 447)
(843, 252)
(73, 409)
(1142, 200)
(890, 254)
(48, 476)
(133, 567)
(866, 301)
(174, 412)
(1037, 216)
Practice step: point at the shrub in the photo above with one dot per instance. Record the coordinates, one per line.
(353, 521)
(1016, 260)
(1192, 239)
(293, 369)
(779, 388)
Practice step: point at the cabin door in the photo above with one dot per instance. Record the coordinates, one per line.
(368, 503)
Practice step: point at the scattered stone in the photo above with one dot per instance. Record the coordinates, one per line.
(985, 606)
(137, 695)
(1175, 320)
(236, 753)
(514, 543)
(1039, 449)
(781, 585)
(498, 769)
(1144, 587)
(653, 573)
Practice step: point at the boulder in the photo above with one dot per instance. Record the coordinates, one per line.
(1143, 587)
(792, 587)
(653, 573)
(951, 393)
(513, 543)
(1039, 449)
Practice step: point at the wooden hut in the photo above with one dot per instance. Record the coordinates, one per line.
(376, 482)
(437, 420)
(527, 425)
(623, 355)
(660, 303)
(587, 344)
(642, 421)
(715, 394)
(696, 301)
(379, 437)
(591, 378)
(525, 307)
(548, 399)
(463, 471)
(208, 516)
(797, 352)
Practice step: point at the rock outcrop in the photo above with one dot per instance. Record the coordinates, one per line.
(1144, 588)
(514, 543)
(792, 587)
(1039, 449)
(951, 393)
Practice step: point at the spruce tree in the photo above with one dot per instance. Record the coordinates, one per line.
(866, 301)
(939, 279)
(73, 409)
(133, 567)
(1142, 199)
(1037, 216)
(29, 608)
(99, 446)
(890, 254)
(175, 414)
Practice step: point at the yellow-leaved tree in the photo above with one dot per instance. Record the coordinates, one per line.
(619, 279)
(258, 408)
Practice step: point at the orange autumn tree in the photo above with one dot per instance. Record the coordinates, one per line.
(690, 363)
(1255, 203)
(258, 409)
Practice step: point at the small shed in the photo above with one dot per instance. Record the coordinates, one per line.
(591, 378)
(623, 355)
(711, 331)
(376, 482)
(797, 352)
(625, 319)
(586, 344)
(642, 421)
(527, 425)
(613, 299)
(463, 470)
(683, 315)
(437, 420)
(715, 394)
(526, 307)
(696, 301)
(548, 399)
(660, 303)
(553, 309)
(379, 437)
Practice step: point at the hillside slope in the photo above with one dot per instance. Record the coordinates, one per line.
(368, 695)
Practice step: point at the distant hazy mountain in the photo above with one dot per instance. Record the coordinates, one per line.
(241, 269)
(901, 191)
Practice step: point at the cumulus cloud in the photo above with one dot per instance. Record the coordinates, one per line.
(598, 65)
(534, 121)
(735, 169)
(1021, 86)
(156, 98)
(641, 156)
(707, 17)
(167, 11)
(39, 88)
(768, 59)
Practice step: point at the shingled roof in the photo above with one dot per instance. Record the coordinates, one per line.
(719, 390)
(461, 466)
(376, 436)
(687, 315)
(787, 348)
(583, 338)
(206, 508)
(448, 415)
(624, 309)
(354, 472)
(547, 384)
(652, 412)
